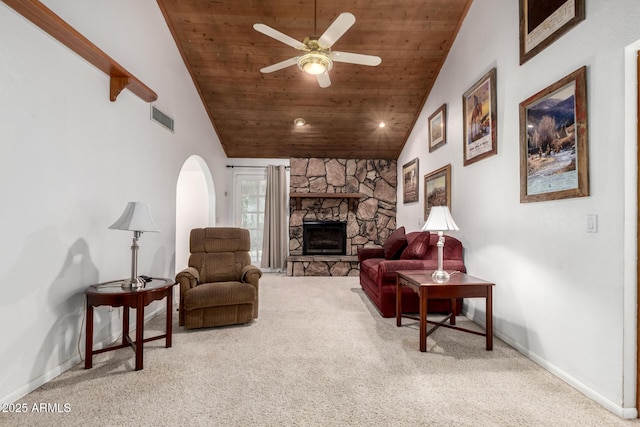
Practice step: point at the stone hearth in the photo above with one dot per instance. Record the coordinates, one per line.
(369, 220)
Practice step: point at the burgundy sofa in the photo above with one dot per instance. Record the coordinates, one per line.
(378, 273)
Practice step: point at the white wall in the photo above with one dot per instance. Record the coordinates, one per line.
(193, 205)
(560, 292)
(70, 160)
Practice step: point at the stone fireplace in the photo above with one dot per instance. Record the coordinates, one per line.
(361, 193)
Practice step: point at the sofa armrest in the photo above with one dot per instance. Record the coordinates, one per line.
(188, 278)
(251, 274)
(387, 269)
(370, 252)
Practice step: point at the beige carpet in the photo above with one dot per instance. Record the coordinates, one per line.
(319, 355)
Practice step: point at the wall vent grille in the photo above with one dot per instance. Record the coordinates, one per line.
(161, 118)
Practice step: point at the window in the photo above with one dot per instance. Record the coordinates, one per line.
(249, 213)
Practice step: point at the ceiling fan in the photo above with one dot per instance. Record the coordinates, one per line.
(317, 58)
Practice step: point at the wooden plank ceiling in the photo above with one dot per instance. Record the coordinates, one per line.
(253, 113)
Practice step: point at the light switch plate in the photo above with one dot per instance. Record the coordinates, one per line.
(592, 223)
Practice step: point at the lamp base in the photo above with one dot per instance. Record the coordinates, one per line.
(133, 284)
(440, 276)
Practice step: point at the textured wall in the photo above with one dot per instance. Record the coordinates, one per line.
(374, 217)
(371, 220)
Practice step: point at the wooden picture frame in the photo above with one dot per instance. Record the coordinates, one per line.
(437, 189)
(479, 112)
(544, 21)
(438, 128)
(554, 157)
(410, 182)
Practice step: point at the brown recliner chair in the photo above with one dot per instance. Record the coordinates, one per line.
(220, 286)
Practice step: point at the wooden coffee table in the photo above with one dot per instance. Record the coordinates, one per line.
(459, 285)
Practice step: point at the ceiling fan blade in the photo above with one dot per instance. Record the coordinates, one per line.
(281, 37)
(280, 65)
(338, 27)
(356, 58)
(324, 80)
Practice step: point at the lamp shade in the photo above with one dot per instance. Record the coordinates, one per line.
(440, 219)
(136, 217)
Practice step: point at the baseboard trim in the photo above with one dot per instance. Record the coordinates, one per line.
(40, 381)
(77, 358)
(622, 412)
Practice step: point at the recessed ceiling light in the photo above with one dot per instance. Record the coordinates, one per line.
(381, 124)
(299, 121)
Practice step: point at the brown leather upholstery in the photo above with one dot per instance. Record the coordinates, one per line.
(220, 286)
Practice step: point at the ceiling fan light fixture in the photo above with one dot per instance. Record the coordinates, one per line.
(315, 63)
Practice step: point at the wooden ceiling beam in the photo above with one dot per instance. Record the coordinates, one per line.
(56, 27)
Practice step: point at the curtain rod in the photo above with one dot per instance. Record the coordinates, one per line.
(258, 167)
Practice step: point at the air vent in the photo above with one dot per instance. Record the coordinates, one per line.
(161, 118)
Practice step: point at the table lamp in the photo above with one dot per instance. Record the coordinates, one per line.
(137, 218)
(440, 220)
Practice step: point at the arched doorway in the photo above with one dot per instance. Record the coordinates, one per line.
(195, 205)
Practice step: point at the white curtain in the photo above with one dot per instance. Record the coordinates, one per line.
(275, 239)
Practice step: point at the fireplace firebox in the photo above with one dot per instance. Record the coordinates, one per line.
(324, 238)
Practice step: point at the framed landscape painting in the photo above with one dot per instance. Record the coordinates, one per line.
(410, 181)
(543, 21)
(438, 128)
(437, 189)
(554, 159)
(479, 111)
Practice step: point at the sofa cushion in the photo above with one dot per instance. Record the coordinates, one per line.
(219, 293)
(418, 247)
(394, 244)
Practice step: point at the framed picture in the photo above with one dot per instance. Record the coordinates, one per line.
(479, 115)
(437, 189)
(410, 181)
(438, 128)
(543, 21)
(554, 158)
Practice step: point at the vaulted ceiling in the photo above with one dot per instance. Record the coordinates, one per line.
(253, 112)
